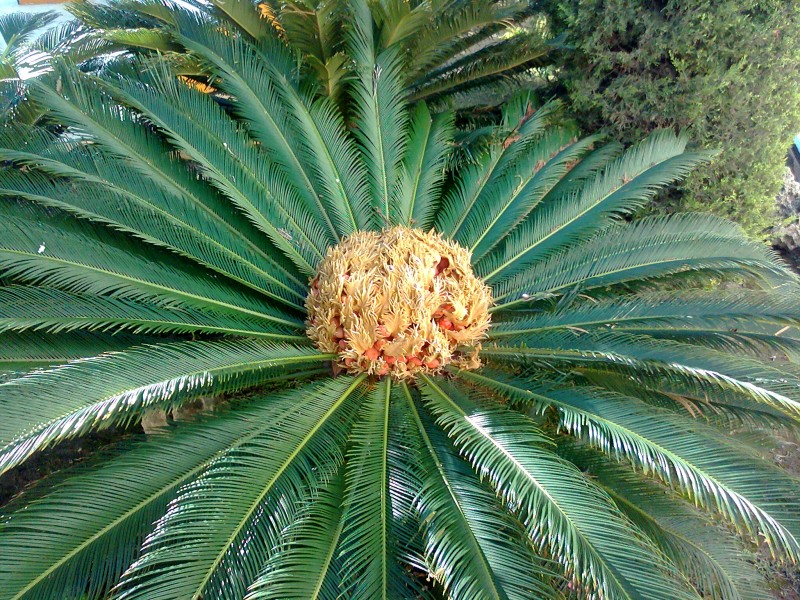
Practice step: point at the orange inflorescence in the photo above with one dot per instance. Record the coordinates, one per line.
(398, 302)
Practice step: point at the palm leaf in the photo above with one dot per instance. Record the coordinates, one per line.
(241, 73)
(489, 179)
(650, 358)
(369, 568)
(46, 407)
(495, 61)
(69, 255)
(644, 250)
(30, 308)
(720, 311)
(424, 168)
(584, 532)
(306, 564)
(622, 187)
(379, 113)
(20, 352)
(471, 546)
(245, 15)
(112, 207)
(227, 158)
(745, 489)
(141, 207)
(91, 526)
(241, 502)
(715, 563)
(731, 322)
(545, 163)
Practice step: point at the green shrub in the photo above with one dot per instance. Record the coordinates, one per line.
(727, 72)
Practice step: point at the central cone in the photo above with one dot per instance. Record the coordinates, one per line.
(398, 302)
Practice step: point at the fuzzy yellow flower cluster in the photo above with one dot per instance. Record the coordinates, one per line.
(398, 302)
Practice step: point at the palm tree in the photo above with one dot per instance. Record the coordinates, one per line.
(464, 54)
(26, 51)
(165, 246)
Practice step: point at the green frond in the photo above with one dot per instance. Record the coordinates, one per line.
(121, 14)
(563, 513)
(118, 135)
(585, 170)
(405, 477)
(239, 70)
(306, 564)
(752, 321)
(496, 60)
(713, 472)
(620, 188)
(17, 28)
(306, 136)
(144, 38)
(25, 351)
(723, 311)
(399, 22)
(222, 528)
(443, 37)
(29, 308)
(511, 200)
(424, 167)
(142, 206)
(245, 15)
(465, 201)
(91, 109)
(715, 563)
(69, 255)
(370, 569)
(472, 547)
(145, 219)
(380, 113)
(46, 407)
(456, 28)
(646, 249)
(92, 524)
(724, 408)
(314, 28)
(777, 386)
(201, 129)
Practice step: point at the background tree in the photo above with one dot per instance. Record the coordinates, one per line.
(726, 72)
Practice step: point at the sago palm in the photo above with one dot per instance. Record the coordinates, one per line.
(487, 383)
(454, 52)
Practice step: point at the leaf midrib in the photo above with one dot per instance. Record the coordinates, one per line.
(108, 398)
(148, 500)
(581, 214)
(612, 573)
(156, 286)
(268, 486)
(453, 496)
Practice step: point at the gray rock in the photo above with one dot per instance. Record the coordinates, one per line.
(786, 236)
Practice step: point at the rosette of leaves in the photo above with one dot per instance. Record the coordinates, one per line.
(466, 54)
(158, 249)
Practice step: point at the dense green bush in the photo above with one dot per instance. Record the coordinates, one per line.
(727, 72)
